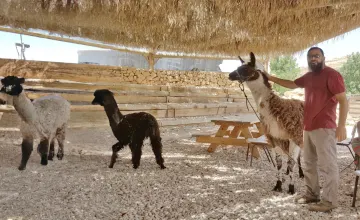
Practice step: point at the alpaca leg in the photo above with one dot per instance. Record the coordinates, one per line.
(26, 149)
(136, 153)
(290, 165)
(115, 148)
(52, 150)
(60, 136)
(278, 160)
(43, 148)
(157, 149)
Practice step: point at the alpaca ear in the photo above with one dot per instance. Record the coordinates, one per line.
(241, 60)
(252, 59)
(21, 80)
(2, 81)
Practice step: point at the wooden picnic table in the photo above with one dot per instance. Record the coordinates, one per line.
(233, 133)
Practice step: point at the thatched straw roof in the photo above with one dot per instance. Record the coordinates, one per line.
(212, 27)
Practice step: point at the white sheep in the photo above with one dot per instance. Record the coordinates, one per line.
(45, 118)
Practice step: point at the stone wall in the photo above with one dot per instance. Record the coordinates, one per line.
(97, 73)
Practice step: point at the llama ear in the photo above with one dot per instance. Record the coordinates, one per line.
(21, 80)
(241, 60)
(252, 59)
(2, 81)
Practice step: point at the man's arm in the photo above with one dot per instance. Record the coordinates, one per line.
(343, 111)
(282, 82)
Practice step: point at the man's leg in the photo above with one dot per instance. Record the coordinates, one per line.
(325, 142)
(310, 171)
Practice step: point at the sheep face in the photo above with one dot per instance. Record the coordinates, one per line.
(102, 97)
(245, 72)
(12, 85)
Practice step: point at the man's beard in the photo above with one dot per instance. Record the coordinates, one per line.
(316, 68)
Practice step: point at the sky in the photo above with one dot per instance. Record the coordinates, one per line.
(57, 51)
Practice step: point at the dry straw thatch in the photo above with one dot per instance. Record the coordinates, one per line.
(219, 28)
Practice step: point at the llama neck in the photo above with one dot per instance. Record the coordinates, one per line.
(113, 113)
(259, 92)
(25, 108)
(28, 114)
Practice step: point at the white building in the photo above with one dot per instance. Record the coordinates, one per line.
(116, 58)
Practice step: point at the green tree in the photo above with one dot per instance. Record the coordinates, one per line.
(351, 73)
(284, 67)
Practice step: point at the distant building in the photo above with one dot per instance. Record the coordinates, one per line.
(116, 58)
(112, 58)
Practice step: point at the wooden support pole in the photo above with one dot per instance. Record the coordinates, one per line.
(151, 60)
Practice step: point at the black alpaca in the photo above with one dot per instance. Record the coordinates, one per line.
(131, 129)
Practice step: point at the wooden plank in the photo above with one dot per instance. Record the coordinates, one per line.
(233, 123)
(195, 89)
(240, 96)
(7, 109)
(91, 92)
(256, 134)
(221, 140)
(202, 134)
(198, 94)
(235, 91)
(196, 99)
(195, 112)
(170, 113)
(119, 98)
(223, 129)
(232, 110)
(10, 120)
(85, 118)
(252, 101)
(200, 105)
(92, 86)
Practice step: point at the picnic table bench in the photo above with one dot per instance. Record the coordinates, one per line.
(236, 133)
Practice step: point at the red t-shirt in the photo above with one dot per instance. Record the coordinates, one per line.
(320, 101)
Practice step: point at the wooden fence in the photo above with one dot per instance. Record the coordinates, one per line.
(161, 101)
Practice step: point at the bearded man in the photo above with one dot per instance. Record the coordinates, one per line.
(324, 89)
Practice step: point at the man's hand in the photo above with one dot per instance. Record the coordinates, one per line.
(282, 82)
(341, 133)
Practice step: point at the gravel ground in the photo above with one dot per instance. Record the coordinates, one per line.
(195, 185)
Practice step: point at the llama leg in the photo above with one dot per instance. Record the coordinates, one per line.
(52, 150)
(26, 149)
(278, 160)
(290, 166)
(136, 152)
(157, 149)
(60, 136)
(115, 148)
(43, 148)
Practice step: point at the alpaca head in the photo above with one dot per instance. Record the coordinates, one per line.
(103, 97)
(11, 85)
(249, 73)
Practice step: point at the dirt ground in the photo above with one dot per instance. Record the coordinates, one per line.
(195, 185)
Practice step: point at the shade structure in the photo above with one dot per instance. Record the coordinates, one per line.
(217, 28)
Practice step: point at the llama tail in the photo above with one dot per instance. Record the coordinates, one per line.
(156, 144)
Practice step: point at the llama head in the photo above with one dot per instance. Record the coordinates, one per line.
(11, 85)
(249, 73)
(103, 97)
